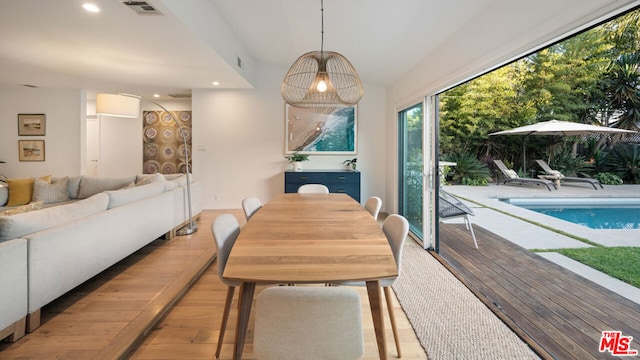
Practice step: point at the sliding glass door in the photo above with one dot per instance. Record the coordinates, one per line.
(417, 178)
(410, 167)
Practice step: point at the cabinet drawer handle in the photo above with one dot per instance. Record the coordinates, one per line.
(342, 177)
(304, 177)
(341, 191)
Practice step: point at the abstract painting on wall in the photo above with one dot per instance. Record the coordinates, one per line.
(321, 130)
(163, 144)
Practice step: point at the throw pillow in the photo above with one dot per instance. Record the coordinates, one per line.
(557, 173)
(36, 205)
(20, 191)
(51, 193)
(144, 180)
(511, 174)
(74, 186)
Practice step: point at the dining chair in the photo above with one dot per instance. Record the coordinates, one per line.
(373, 206)
(250, 205)
(308, 322)
(396, 229)
(313, 189)
(225, 230)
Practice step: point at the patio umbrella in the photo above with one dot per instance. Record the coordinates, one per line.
(558, 128)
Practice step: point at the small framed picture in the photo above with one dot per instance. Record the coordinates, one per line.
(32, 124)
(31, 150)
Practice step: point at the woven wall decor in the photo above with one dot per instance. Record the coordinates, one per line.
(163, 146)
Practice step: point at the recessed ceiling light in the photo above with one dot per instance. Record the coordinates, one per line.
(91, 7)
(156, 95)
(215, 83)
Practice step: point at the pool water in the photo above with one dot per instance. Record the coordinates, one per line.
(594, 213)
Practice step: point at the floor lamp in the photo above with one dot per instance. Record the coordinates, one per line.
(128, 105)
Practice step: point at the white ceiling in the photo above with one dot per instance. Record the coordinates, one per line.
(56, 44)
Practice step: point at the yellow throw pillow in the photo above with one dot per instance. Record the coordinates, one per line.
(21, 190)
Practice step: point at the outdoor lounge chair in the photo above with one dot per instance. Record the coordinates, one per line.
(451, 207)
(549, 171)
(510, 176)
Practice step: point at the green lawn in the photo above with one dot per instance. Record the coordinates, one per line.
(622, 263)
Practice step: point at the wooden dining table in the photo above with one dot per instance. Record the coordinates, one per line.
(308, 239)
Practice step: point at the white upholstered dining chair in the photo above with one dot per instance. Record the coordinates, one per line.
(373, 206)
(225, 230)
(308, 322)
(250, 205)
(313, 189)
(396, 229)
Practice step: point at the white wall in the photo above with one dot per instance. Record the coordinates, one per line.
(238, 140)
(64, 110)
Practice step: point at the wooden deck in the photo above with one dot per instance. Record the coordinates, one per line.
(558, 313)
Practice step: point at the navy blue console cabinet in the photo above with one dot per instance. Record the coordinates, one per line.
(338, 181)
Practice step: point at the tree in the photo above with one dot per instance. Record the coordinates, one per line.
(621, 87)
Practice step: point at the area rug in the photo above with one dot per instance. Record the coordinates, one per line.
(449, 321)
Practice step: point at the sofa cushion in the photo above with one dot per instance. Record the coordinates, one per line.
(179, 180)
(49, 193)
(90, 185)
(19, 225)
(125, 196)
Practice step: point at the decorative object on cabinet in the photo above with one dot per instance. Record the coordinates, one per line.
(31, 150)
(32, 124)
(296, 159)
(321, 79)
(321, 130)
(338, 181)
(351, 164)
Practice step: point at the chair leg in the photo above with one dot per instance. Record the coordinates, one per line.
(392, 316)
(225, 317)
(470, 228)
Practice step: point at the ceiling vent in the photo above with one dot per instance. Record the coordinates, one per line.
(142, 7)
(180, 96)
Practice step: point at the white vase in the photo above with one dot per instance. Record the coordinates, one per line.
(297, 166)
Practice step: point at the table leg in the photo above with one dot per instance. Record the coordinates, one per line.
(244, 310)
(375, 302)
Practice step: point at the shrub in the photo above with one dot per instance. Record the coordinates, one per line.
(624, 161)
(467, 167)
(608, 178)
(570, 165)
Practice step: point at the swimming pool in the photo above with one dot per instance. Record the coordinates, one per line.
(594, 213)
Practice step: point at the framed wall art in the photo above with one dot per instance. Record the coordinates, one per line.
(32, 124)
(31, 150)
(321, 130)
(163, 142)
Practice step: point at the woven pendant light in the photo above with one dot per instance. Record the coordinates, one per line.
(321, 79)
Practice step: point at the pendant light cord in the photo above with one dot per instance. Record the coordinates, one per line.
(321, 26)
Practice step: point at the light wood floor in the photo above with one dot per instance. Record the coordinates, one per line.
(111, 314)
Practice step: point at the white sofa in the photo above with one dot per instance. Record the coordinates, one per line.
(45, 253)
